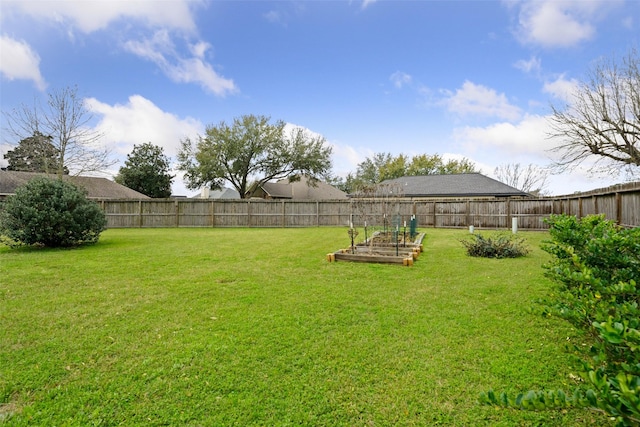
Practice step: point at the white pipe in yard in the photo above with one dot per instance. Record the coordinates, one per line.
(514, 225)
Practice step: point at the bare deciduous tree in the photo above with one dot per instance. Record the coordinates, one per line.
(530, 179)
(602, 121)
(65, 121)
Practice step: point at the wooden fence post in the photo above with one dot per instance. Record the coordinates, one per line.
(284, 213)
(580, 215)
(619, 208)
(434, 215)
(467, 217)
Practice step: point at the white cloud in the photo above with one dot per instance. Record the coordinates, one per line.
(160, 49)
(90, 16)
(552, 23)
(345, 159)
(400, 79)
(139, 121)
(478, 100)
(526, 143)
(153, 49)
(528, 137)
(199, 49)
(166, 18)
(4, 147)
(561, 88)
(533, 65)
(19, 62)
(190, 70)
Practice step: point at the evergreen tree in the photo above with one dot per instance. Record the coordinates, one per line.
(35, 154)
(51, 212)
(146, 170)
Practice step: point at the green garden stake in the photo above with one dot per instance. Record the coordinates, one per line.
(413, 225)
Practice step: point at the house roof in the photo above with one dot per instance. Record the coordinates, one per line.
(302, 190)
(97, 188)
(278, 190)
(224, 193)
(453, 185)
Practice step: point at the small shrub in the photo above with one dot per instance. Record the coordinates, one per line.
(52, 213)
(499, 246)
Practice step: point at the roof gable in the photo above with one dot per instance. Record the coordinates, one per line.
(219, 194)
(97, 188)
(452, 185)
(302, 190)
(277, 190)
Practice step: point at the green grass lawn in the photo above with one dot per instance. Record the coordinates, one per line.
(243, 327)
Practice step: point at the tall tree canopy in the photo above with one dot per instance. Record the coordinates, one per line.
(66, 120)
(383, 166)
(602, 119)
(35, 153)
(252, 149)
(146, 170)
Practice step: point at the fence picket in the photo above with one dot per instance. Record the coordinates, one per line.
(619, 203)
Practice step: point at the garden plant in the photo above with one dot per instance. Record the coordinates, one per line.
(499, 246)
(50, 212)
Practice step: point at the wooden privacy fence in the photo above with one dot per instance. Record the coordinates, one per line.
(619, 203)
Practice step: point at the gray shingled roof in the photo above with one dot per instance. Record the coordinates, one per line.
(222, 194)
(277, 190)
(301, 190)
(454, 185)
(97, 188)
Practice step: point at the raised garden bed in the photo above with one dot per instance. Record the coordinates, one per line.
(381, 248)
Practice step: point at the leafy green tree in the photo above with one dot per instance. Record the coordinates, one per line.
(396, 167)
(51, 212)
(383, 166)
(452, 166)
(146, 170)
(35, 154)
(252, 149)
(425, 164)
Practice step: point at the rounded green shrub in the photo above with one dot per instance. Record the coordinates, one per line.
(51, 212)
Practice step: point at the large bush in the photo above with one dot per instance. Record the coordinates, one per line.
(52, 213)
(596, 265)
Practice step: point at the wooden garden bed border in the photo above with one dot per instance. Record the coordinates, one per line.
(406, 254)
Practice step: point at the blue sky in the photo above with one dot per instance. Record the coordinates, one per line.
(468, 79)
